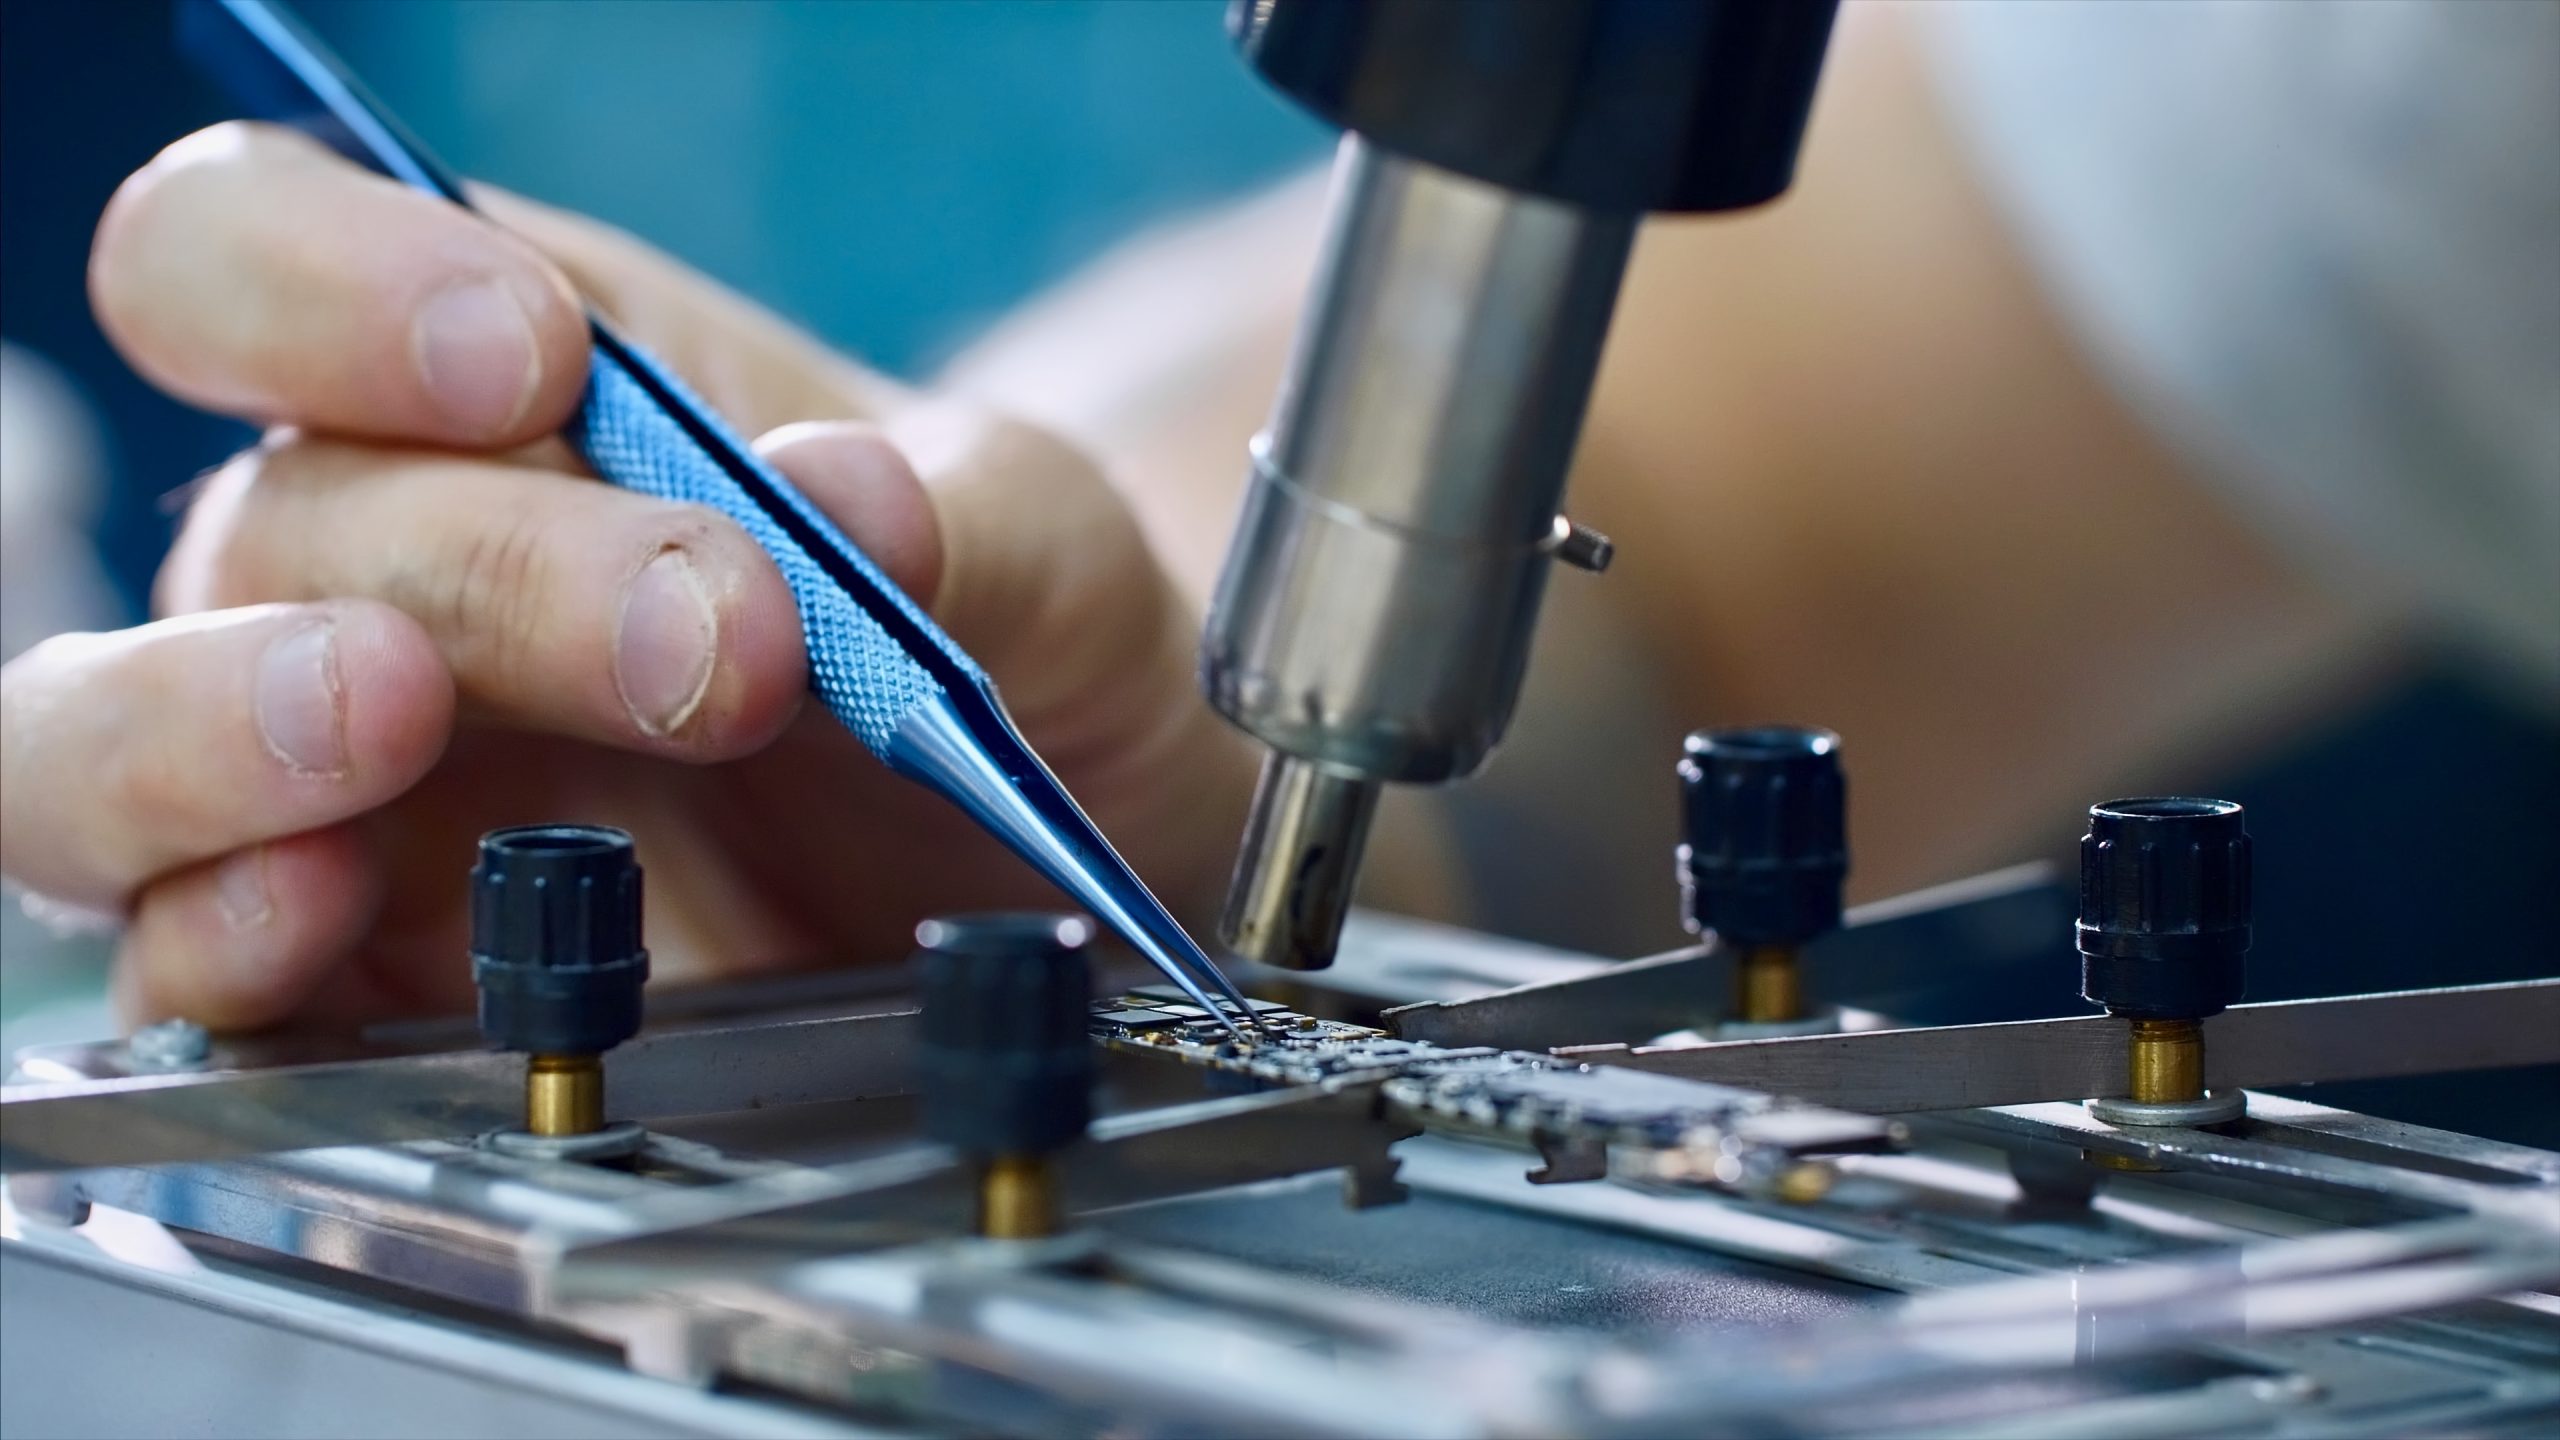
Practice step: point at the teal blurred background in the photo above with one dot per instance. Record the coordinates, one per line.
(891, 173)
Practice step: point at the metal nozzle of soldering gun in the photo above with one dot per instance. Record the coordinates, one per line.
(1372, 621)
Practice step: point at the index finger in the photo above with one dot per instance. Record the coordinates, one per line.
(248, 270)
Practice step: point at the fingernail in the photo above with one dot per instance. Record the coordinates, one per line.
(299, 701)
(475, 351)
(241, 888)
(664, 646)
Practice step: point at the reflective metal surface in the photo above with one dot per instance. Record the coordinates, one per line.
(210, 1115)
(2287, 1042)
(235, 1350)
(917, 1194)
(2212, 1108)
(1387, 960)
(2303, 1271)
(2011, 925)
(1376, 604)
(1374, 611)
(1295, 869)
(2521, 1186)
(563, 1094)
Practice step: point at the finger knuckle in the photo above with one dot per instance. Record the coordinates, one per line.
(1079, 500)
(488, 595)
(143, 787)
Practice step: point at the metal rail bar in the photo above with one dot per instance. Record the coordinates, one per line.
(223, 1114)
(2287, 1042)
(915, 1195)
(2013, 921)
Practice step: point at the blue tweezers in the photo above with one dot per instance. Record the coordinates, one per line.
(877, 662)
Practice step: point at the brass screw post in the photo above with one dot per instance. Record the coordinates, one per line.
(1805, 1182)
(2165, 1061)
(1018, 1198)
(564, 1094)
(2164, 1064)
(1768, 988)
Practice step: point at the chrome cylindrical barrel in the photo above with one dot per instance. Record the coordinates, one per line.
(1372, 623)
(1376, 605)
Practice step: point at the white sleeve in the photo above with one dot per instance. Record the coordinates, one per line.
(2319, 244)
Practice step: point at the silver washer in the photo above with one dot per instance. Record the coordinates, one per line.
(2211, 1109)
(1045, 1252)
(613, 1142)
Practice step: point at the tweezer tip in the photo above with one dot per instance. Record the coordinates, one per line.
(994, 775)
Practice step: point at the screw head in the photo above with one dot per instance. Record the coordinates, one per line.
(1005, 1063)
(555, 938)
(1764, 834)
(2164, 906)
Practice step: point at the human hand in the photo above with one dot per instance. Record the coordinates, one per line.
(407, 617)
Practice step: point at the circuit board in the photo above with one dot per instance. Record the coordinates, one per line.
(1588, 1121)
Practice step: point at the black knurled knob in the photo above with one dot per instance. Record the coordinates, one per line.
(1765, 845)
(555, 938)
(1006, 1067)
(2164, 907)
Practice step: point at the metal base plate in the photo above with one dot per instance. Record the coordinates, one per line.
(1827, 1023)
